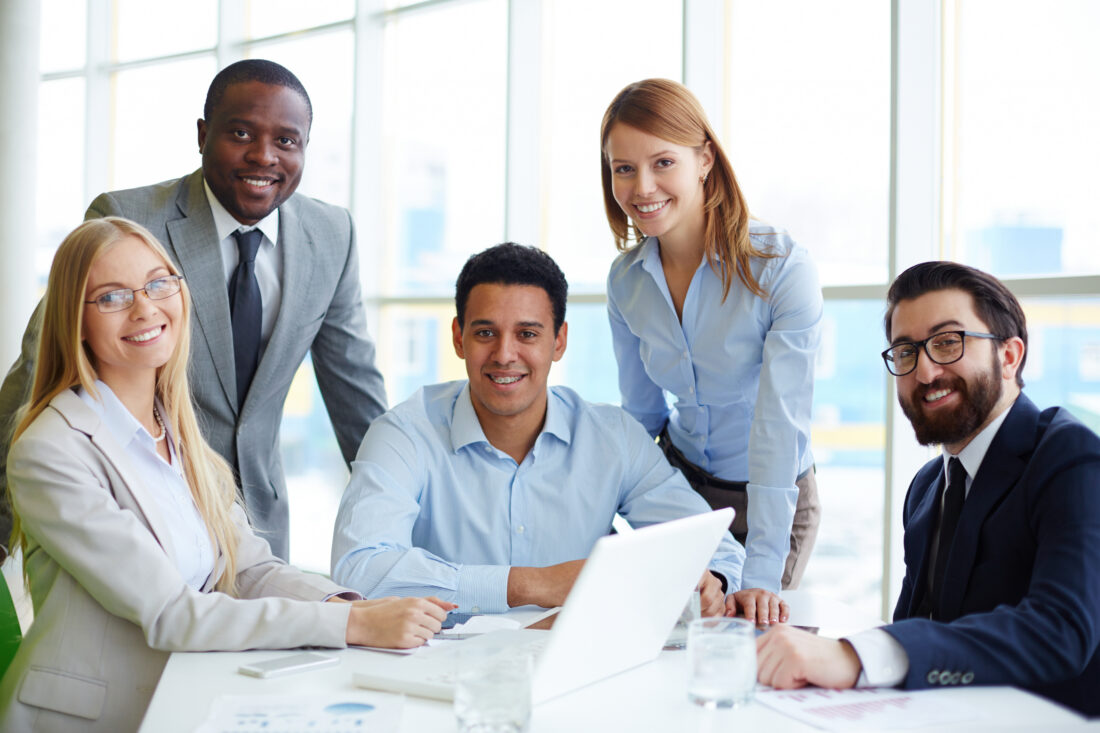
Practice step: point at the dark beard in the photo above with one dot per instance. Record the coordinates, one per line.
(978, 399)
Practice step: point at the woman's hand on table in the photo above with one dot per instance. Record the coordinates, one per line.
(760, 606)
(400, 623)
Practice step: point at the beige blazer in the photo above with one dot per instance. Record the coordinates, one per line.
(109, 602)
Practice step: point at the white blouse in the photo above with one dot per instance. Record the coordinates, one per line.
(189, 536)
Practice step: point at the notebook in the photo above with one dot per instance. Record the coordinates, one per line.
(625, 601)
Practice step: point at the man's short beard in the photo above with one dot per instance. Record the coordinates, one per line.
(978, 398)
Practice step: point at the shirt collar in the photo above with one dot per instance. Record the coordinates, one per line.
(466, 428)
(974, 453)
(649, 255)
(226, 224)
(116, 418)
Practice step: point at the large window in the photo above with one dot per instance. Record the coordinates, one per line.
(878, 133)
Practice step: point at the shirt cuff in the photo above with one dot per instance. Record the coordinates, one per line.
(770, 514)
(347, 595)
(482, 588)
(885, 661)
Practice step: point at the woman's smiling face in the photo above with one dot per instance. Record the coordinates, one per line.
(658, 184)
(137, 341)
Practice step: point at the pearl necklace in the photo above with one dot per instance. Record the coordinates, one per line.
(160, 422)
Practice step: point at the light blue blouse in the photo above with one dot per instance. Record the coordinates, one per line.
(740, 374)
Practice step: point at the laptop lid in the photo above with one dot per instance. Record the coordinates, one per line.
(626, 600)
(618, 614)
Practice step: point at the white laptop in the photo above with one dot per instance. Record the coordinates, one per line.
(621, 609)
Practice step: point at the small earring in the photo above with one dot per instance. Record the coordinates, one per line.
(703, 178)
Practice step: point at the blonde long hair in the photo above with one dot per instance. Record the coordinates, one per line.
(668, 110)
(64, 361)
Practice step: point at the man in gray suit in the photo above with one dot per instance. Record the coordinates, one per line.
(286, 285)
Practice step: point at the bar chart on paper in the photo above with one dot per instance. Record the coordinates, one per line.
(865, 709)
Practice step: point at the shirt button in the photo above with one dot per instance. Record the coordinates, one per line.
(520, 529)
(475, 609)
(691, 390)
(488, 449)
(686, 354)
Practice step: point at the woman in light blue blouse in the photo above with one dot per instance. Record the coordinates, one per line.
(719, 311)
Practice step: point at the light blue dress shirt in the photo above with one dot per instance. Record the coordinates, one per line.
(433, 508)
(741, 375)
(194, 547)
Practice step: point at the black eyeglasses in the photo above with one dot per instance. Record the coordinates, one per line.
(123, 298)
(946, 347)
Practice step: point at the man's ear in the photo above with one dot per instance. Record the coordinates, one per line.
(202, 133)
(456, 335)
(1013, 351)
(559, 341)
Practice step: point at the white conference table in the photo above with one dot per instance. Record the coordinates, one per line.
(651, 697)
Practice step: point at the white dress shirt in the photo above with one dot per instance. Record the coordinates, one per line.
(885, 663)
(269, 261)
(189, 536)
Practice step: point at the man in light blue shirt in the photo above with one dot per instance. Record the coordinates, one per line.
(490, 492)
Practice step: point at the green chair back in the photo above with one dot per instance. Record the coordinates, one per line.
(10, 633)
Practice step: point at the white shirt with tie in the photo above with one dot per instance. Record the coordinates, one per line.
(269, 260)
(885, 663)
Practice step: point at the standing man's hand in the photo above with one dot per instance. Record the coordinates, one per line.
(787, 657)
(546, 587)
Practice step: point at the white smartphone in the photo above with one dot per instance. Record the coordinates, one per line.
(286, 665)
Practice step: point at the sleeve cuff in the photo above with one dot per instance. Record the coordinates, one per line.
(761, 572)
(482, 588)
(771, 512)
(884, 660)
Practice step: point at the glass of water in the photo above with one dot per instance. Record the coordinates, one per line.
(492, 691)
(721, 662)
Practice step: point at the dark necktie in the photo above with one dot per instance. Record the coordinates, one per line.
(949, 520)
(246, 310)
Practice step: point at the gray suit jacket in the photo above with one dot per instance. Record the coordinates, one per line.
(109, 602)
(321, 313)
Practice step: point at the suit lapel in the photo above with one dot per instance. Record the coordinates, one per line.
(999, 471)
(299, 253)
(133, 490)
(922, 525)
(194, 243)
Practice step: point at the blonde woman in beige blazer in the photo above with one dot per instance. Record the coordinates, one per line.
(101, 540)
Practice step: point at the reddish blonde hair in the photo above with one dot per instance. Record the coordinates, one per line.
(668, 110)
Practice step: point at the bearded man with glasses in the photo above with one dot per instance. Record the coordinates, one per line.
(1002, 532)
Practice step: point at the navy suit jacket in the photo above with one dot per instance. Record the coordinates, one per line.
(1021, 591)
